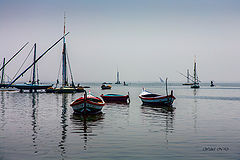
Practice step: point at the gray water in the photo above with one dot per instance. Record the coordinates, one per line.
(204, 125)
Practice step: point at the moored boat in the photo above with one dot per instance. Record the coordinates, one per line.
(155, 99)
(66, 89)
(106, 86)
(87, 104)
(115, 98)
(65, 86)
(212, 85)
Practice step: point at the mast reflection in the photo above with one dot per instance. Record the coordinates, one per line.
(163, 116)
(63, 124)
(83, 122)
(2, 111)
(35, 102)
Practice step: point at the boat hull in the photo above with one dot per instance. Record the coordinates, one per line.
(90, 108)
(31, 87)
(114, 98)
(64, 90)
(87, 104)
(166, 100)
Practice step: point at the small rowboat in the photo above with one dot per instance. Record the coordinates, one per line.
(87, 104)
(115, 98)
(106, 86)
(156, 99)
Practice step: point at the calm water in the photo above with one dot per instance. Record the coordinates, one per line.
(204, 125)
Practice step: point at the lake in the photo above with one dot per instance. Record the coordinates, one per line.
(203, 125)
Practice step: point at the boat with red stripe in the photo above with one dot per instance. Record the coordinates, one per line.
(87, 104)
(150, 98)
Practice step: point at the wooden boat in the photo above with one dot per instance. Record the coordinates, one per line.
(115, 98)
(87, 104)
(156, 99)
(65, 87)
(106, 86)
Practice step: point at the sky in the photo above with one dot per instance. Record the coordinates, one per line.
(143, 39)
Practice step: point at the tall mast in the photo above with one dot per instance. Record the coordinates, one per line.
(187, 75)
(34, 65)
(2, 79)
(118, 82)
(195, 74)
(64, 59)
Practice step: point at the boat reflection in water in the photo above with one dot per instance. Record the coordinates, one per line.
(35, 102)
(162, 117)
(84, 123)
(64, 125)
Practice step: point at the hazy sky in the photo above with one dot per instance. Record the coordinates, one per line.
(145, 39)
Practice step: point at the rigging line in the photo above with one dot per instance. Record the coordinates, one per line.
(22, 64)
(37, 60)
(70, 69)
(14, 56)
(185, 76)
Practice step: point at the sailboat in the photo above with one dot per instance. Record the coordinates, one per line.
(150, 98)
(33, 85)
(65, 87)
(118, 81)
(188, 78)
(3, 84)
(195, 77)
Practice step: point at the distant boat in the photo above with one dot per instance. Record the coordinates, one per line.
(125, 84)
(65, 87)
(188, 78)
(3, 84)
(195, 77)
(87, 104)
(104, 86)
(115, 98)
(155, 99)
(106, 83)
(118, 81)
(33, 85)
(212, 85)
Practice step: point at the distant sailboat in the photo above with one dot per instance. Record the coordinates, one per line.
(118, 81)
(188, 78)
(65, 87)
(195, 80)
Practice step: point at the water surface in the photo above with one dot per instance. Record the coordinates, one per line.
(204, 125)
